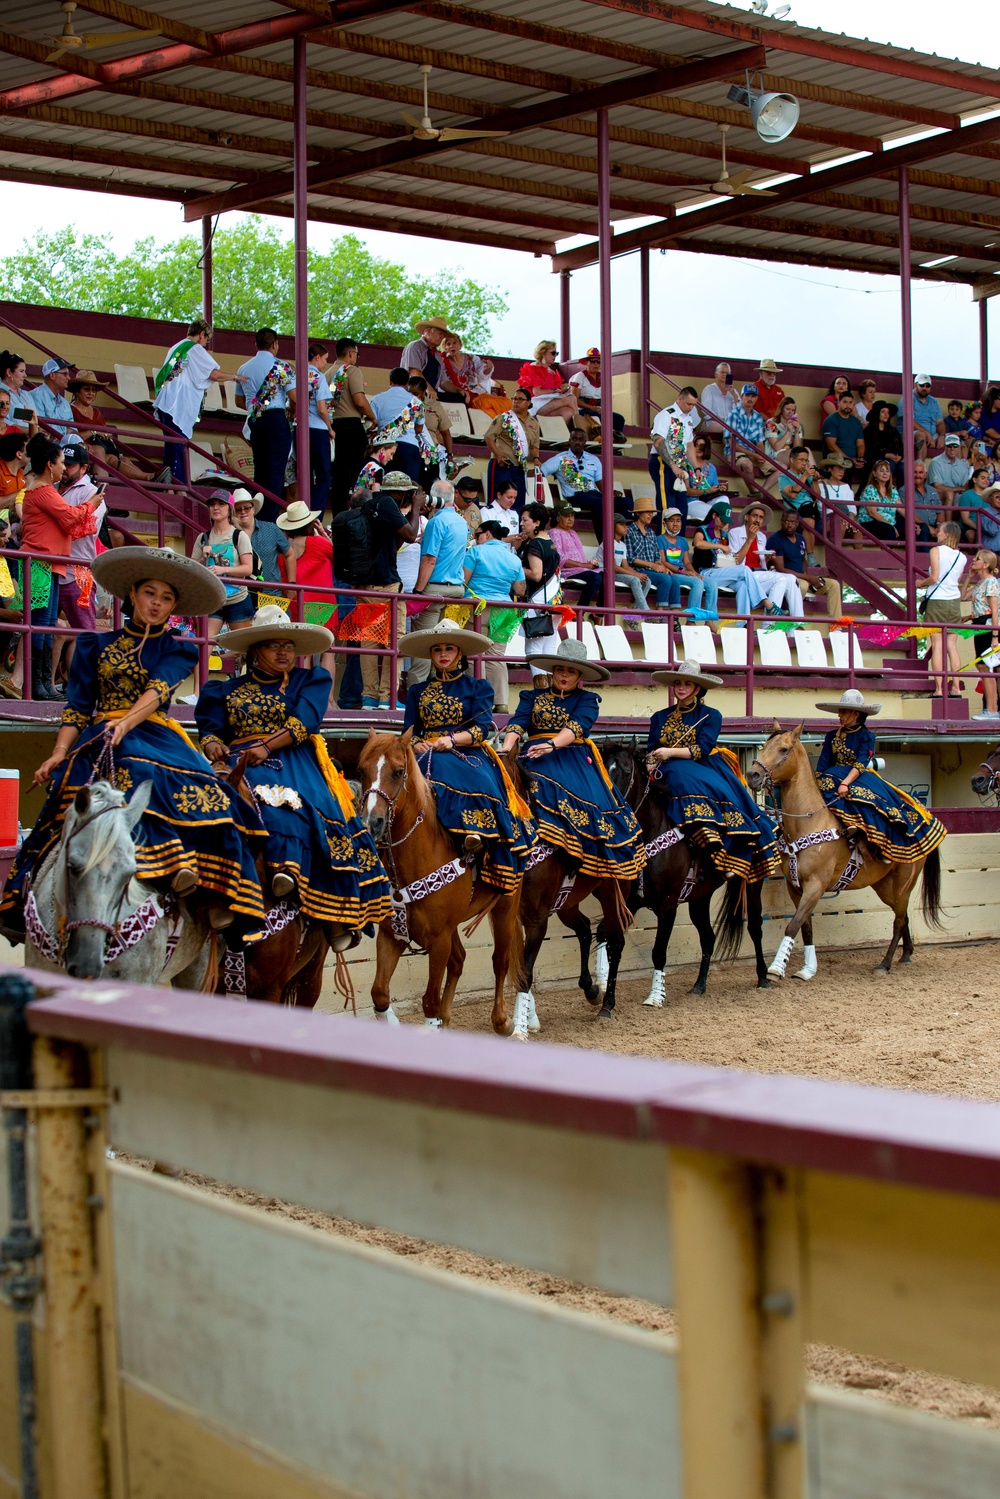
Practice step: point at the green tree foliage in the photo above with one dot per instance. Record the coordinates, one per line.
(351, 292)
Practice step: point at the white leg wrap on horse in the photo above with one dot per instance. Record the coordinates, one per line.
(534, 1024)
(657, 990)
(808, 969)
(522, 1009)
(432, 1023)
(780, 962)
(601, 969)
(388, 1017)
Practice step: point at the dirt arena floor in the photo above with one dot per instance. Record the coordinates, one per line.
(934, 1027)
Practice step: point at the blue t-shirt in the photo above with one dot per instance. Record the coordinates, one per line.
(673, 549)
(494, 569)
(791, 550)
(446, 538)
(49, 406)
(254, 373)
(389, 403)
(926, 413)
(321, 392)
(845, 431)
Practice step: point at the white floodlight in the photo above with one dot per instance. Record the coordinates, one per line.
(775, 116)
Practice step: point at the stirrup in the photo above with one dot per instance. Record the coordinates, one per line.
(282, 884)
(473, 843)
(184, 881)
(219, 918)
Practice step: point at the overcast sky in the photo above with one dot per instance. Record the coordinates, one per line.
(700, 304)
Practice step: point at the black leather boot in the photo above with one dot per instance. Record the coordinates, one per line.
(41, 685)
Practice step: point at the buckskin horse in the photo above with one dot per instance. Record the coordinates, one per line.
(675, 875)
(434, 889)
(824, 860)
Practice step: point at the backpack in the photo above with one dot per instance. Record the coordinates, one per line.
(354, 544)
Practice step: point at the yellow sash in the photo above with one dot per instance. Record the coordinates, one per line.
(113, 715)
(333, 777)
(516, 805)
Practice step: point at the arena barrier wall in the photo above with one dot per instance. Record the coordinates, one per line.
(193, 1346)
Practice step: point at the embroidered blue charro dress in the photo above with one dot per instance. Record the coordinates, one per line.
(193, 821)
(472, 791)
(705, 796)
(578, 808)
(314, 834)
(900, 829)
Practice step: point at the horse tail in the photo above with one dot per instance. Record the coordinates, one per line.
(930, 896)
(731, 921)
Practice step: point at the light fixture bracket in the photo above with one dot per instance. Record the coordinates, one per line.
(774, 115)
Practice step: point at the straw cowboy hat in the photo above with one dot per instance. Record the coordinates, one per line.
(573, 653)
(244, 497)
(769, 367)
(851, 698)
(688, 671)
(643, 505)
(445, 632)
(197, 588)
(757, 505)
(272, 623)
(83, 377)
(296, 516)
(834, 460)
(433, 322)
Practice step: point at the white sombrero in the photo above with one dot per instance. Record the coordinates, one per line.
(445, 632)
(272, 623)
(853, 699)
(297, 516)
(244, 497)
(197, 588)
(573, 653)
(688, 671)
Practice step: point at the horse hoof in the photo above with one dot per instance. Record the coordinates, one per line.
(776, 973)
(388, 1017)
(764, 983)
(605, 1014)
(805, 974)
(880, 972)
(697, 989)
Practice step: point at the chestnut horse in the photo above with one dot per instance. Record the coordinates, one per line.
(783, 762)
(675, 875)
(543, 884)
(398, 807)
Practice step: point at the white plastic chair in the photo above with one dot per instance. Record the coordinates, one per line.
(458, 416)
(213, 398)
(553, 431)
(838, 650)
(229, 392)
(131, 383)
(809, 648)
(734, 646)
(589, 637)
(699, 644)
(613, 642)
(478, 421)
(774, 648)
(655, 640)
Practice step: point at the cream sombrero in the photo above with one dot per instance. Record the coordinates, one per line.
(445, 632)
(851, 698)
(244, 497)
(272, 623)
(688, 671)
(573, 653)
(197, 588)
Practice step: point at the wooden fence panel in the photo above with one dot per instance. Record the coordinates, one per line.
(376, 1374)
(592, 1209)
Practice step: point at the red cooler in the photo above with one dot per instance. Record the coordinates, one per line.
(10, 790)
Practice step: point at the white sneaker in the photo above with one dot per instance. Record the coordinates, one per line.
(985, 717)
(190, 700)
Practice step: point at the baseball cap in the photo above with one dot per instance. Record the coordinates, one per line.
(921, 379)
(52, 365)
(75, 452)
(591, 354)
(749, 390)
(953, 440)
(673, 510)
(619, 520)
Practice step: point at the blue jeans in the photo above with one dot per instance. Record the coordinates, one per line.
(748, 595)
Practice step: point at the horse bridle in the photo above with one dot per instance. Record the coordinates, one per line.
(771, 790)
(992, 779)
(67, 928)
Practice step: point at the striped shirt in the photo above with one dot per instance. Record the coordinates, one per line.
(641, 547)
(748, 424)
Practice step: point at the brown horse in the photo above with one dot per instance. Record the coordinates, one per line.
(988, 784)
(441, 888)
(783, 762)
(541, 888)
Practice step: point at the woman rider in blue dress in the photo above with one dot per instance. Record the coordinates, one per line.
(318, 853)
(898, 828)
(198, 838)
(451, 715)
(579, 809)
(699, 784)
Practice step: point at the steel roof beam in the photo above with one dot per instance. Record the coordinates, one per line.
(459, 208)
(527, 187)
(824, 261)
(533, 117)
(816, 229)
(792, 192)
(407, 225)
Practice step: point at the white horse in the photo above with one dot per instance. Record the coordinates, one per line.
(86, 913)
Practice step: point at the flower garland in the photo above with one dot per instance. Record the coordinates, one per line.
(515, 432)
(279, 377)
(569, 475)
(172, 365)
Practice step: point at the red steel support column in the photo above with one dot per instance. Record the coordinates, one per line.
(565, 323)
(607, 418)
(301, 198)
(909, 497)
(984, 347)
(644, 337)
(206, 270)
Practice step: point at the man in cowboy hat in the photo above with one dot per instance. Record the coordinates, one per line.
(749, 547)
(420, 357)
(266, 538)
(642, 550)
(769, 393)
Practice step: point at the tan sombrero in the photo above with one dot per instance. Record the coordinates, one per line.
(197, 588)
(432, 322)
(272, 623)
(82, 377)
(296, 516)
(573, 653)
(851, 698)
(688, 671)
(445, 632)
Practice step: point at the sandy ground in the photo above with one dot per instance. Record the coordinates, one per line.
(934, 1026)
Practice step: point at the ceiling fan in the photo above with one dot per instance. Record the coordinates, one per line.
(425, 130)
(735, 184)
(70, 40)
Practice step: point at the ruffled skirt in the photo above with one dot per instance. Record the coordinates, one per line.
(719, 816)
(579, 812)
(472, 797)
(896, 826)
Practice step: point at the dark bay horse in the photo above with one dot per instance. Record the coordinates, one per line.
(986, 781)
(675, 875)
(441, 889)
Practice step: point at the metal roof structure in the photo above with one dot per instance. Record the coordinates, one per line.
(204, 117)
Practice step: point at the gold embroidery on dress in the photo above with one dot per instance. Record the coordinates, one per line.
(439, 709)
(193, 798)
(842, 752)
(675, 733)
(548, 715)
(121, 676)
(253, 711)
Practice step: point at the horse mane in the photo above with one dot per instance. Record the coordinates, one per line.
(106, 830)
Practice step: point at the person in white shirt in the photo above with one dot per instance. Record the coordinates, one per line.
(503, 509)
(266, 382)
(942, 604)
(748, 543)
(669, 478)
(719, 399)
(834, 488)
(180, 385)
(587, 384)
